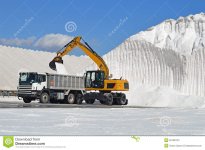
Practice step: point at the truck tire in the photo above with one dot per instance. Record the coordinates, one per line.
(26, 100)
(90, 101)
(109, 98)
(79, 98)
(70, 98)
(122, 100)
(45, 98)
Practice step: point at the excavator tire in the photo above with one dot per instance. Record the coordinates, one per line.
(109, 98)
(90, 101)
(122, 100)
(79, 99)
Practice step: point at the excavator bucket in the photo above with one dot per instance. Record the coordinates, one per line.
(52, 64)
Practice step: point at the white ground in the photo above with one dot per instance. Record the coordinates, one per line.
(101, 121)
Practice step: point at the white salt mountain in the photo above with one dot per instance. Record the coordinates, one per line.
(15, 60)
(184, 35)
(165, 64)
(158, 75)
(161, 76)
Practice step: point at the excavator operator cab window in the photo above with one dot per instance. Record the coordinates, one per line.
(94, 79)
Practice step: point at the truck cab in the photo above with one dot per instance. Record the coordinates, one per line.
(30, 85)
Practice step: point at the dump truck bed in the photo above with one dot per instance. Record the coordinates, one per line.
(61, 82)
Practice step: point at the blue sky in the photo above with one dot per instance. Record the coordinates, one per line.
(48, 24)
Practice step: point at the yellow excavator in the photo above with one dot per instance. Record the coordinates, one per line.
(106, 90)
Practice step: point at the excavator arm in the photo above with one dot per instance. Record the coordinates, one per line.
(76, 42)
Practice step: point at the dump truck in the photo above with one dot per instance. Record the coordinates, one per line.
(50, 88)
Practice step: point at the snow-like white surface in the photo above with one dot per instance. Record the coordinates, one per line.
(174, 78)
(184, 35)
(9, 99)
(60, 68)
(102, 121)
(163, 97)
(14, 60)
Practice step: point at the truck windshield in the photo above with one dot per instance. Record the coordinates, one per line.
(27, 78)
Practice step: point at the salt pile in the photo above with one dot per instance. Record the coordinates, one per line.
(60, 68)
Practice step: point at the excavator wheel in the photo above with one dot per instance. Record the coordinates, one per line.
(122, 100)
(79, 99)
(90, 101)
(109, 98)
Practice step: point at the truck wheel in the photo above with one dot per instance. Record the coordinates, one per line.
(109, 98)
(122, 100)
(45, 98)
(79, 98)
(90, 101)
(71, 99)
(26, 100)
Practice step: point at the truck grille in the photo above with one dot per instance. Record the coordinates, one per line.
(24, 89)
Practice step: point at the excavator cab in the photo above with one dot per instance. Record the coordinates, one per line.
(94, 79)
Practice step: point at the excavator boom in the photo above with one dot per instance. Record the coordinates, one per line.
(76, 42)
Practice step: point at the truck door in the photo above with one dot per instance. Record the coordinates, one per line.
(41, 82)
